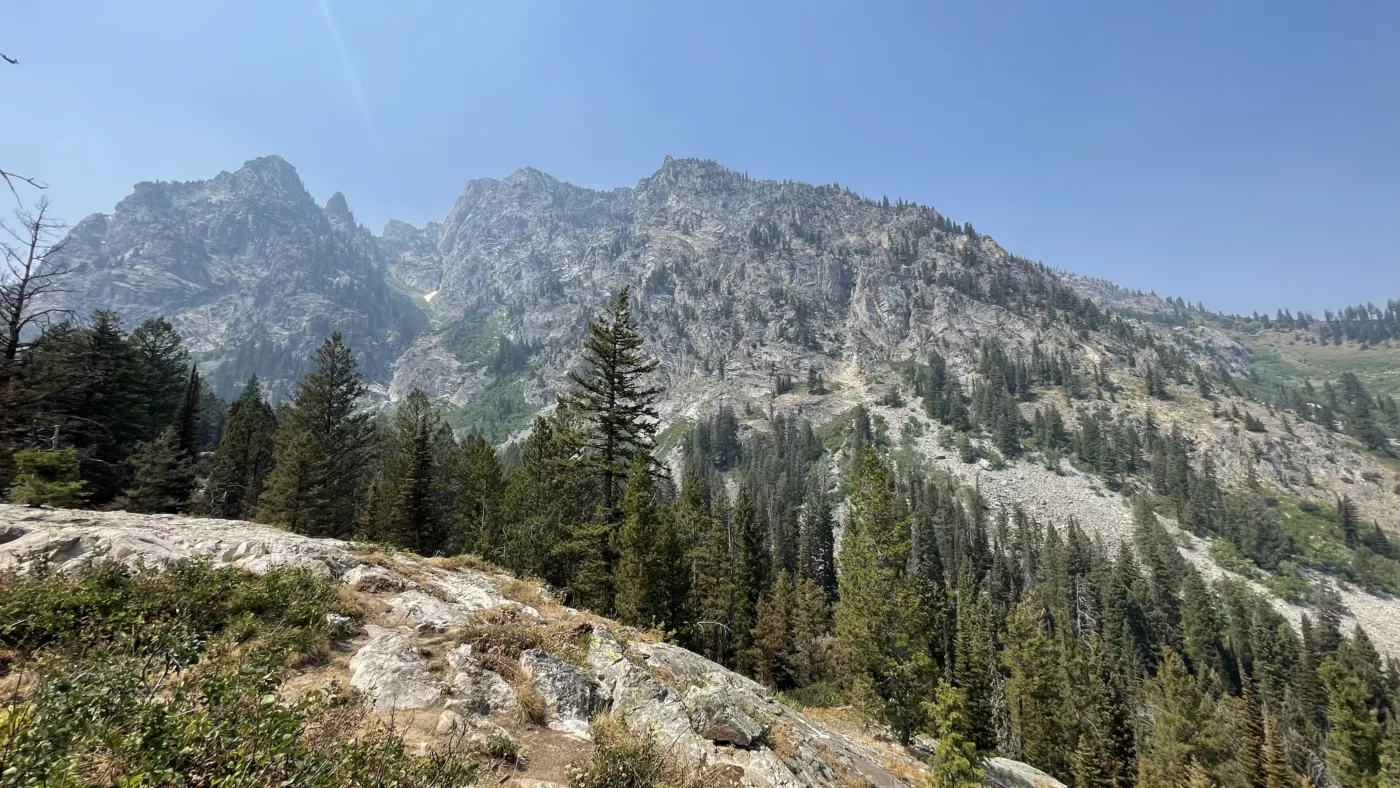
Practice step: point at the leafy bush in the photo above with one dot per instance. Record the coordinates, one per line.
(170, 678)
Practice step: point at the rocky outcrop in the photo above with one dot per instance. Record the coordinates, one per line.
(707, 715)
(714, 715)
(476, 690)
(391, 671)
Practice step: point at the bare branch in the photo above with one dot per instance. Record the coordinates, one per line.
(11, 177)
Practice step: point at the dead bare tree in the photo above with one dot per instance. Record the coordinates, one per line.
(11, 178)
(31, 275)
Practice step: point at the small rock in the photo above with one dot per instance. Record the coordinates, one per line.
(341, 626)
(715, 716)
(478, 690)
(449, 721)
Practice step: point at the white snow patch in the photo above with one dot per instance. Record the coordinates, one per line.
(429, 297)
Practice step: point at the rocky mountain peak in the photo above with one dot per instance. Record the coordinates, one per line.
(338, 211)
(266, 178)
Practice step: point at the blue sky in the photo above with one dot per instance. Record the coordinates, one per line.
(1242, 153)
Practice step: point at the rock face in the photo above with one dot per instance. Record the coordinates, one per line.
(706, 714)
(568, 693)
(715, 716)
(249, 268)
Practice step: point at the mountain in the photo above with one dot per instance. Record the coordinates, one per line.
(744, 289)
(248, 267)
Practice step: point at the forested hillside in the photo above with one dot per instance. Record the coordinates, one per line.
(832, 562)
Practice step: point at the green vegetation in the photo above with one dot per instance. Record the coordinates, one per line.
(497, 413)
(171, 677)
(474, 338)
(1279, 358)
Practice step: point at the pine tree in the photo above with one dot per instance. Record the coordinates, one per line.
(1033, 690)
(187, 416)
(480, 493)
(810, 622)
(650, 558)
(611, 395)
(1183, 728)
(878, 621)
(323, 448)
(417, 518)
(773, 650)
(975, 663)
(162, 361)
(47, 478)
(817, 539)
(1354, 738)
(244, 457)
(956, 762)
(1277, 772)
(161, 477)
(713, 588)
(751, 566)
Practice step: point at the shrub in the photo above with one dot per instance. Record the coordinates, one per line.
(622, 759)
(171, 678)
(48, 478)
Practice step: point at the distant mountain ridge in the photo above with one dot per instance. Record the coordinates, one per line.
(745, 290)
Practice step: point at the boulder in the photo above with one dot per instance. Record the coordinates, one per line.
(567, 692)
(428, 612)
(477, 690)
(392, 671)
(716, 716)
(370, 578)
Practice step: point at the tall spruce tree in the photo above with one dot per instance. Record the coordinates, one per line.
(244, 457)
(956, 761)
(418, 516)
(817, 538)
(713, 586)
(751, 567)
(161, 477)
(480, 494)
(324, 443)
(652, 581)
(612, 395)
(878, 621)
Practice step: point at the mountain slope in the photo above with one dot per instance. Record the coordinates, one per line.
(251, 271)
(743, 289)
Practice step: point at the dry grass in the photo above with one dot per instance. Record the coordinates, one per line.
(529, 704)
(413, 570)
(500, 636)
(623, 758)
(466, 561)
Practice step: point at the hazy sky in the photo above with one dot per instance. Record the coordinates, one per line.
(1246, 154)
